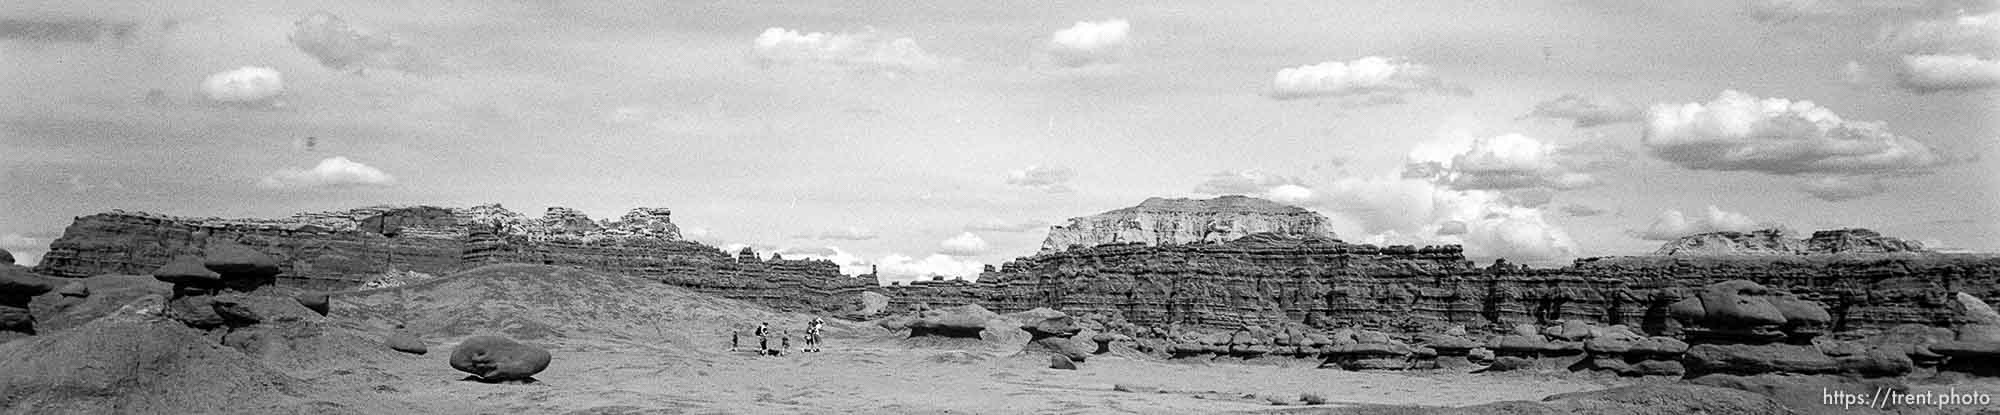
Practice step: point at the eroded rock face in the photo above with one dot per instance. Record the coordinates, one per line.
(17, 288)
(1159, 221)
(342, 250)
(1776, 242)
(496, 359)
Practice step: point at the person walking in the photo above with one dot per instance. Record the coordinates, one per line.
(813, 339)
(763, 338)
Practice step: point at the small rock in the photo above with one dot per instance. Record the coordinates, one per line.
(1527, 330)
(1061, 362)
(406, 343)
(495, 359)
(317, 302)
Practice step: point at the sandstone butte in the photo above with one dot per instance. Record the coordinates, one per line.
(1221, 263)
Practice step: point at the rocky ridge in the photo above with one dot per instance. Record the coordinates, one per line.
(1777, 242)
(1160, 221)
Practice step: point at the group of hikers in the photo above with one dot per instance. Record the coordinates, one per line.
(764, 334)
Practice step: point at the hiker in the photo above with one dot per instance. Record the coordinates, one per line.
(735, 339)
(763, 338)
(784, 342)
(813, 334)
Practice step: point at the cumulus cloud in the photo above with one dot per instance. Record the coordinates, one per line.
(1373, 79)
(1512, 162)
(1091, 43)
(997, 225)
(1588, 111)
(865, 51)
(1405, 210)
(1843, 188)
(1048, 179)
(1288, 190)
(340, 46)
(1740, 132)
(245, 85)
(1672, 224)
(898, 267)
(1933, 73)
(850, 264)
(1974, 33)
(851, 233)
(331, 172)
(965, 244)
(27, 250)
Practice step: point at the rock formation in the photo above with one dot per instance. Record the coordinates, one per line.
(1159, 221)
(347, 249)
(1776, 242)
(497, 359)
(17, 288)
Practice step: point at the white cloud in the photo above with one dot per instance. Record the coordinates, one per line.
(1405, 210)
(1091, 43)
(702, 235)
(331, 172)
(26, 250)
(898, 267)
(965, 244)
(1372, 78)
(1740, 132)
(1048, 179)
(866, 51)
(1962, 34)
(997, 225)
(1933, 73)
(249, 84)
(1588, 111)
(851, 233)
(1672, 224)
(1511, 161)
(1580, 210)
(850, 264)
(1786, 11)
(1843, 188)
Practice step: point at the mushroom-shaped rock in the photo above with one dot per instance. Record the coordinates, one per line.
(188, 270)
(495, 359)
(406, 343)
(18, 285)
(1982, 324)
(1801, 315)
(317, 302)
(1449, 345)
(1571, 330)
(965, 321)
(1370, 356)
(242, 268)
(6, 257)
(1372, 337)
(1745, 359)
(1738, 303)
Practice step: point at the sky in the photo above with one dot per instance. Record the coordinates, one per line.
(936, 137)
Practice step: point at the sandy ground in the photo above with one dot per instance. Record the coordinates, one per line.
(880, 377)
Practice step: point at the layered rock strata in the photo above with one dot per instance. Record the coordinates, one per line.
(1160, 221)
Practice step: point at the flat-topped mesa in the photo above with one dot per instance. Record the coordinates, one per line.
(1160, 221)
(1779, 242)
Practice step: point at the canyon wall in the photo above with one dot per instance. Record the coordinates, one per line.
(1160, 221)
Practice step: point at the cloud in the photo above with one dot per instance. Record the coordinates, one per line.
(1281, 189)
(1371, 79)
(1512, 162)
(1091, 43)
(850, 233)
(850, 264)
(1400, 210)
(27, 250)
(702, 235)
(1786, 11)
(1740, 132)
(1048, 179)
(340, 46)
(66, 30)
(1672, 224)
(331, 172)
(1933, 73)
(997, 225)
(245, 85)
(865, 51)
(1843, 188)
(1954, 35)
(1578, 210)
(1588, 111)
(965, 244)
(898, 267)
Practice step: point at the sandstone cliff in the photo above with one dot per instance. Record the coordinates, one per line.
(1159, 221)
(1776, 242)
(345, 249)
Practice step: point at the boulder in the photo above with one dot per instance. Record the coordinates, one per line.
(1527, 330)
(16, 319)
(1879, 362)
(406, 343)
(18, 285)
(1757, 359)
(188, 270)
(1967, 350)
(1509, 363)
(495, 359)
(1371, 337)
(965, 321)
(1660, 346)
(1343, 337)
(6, 257)
(74, 290)
(1571, 330)
(197, 311)
(1061, 362)
(1738, 303)
(317, 302)
(1609, 345)
(1449, 345)
(1658, 368)
(1982, 324)
(242, 268)
(1104, 341)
